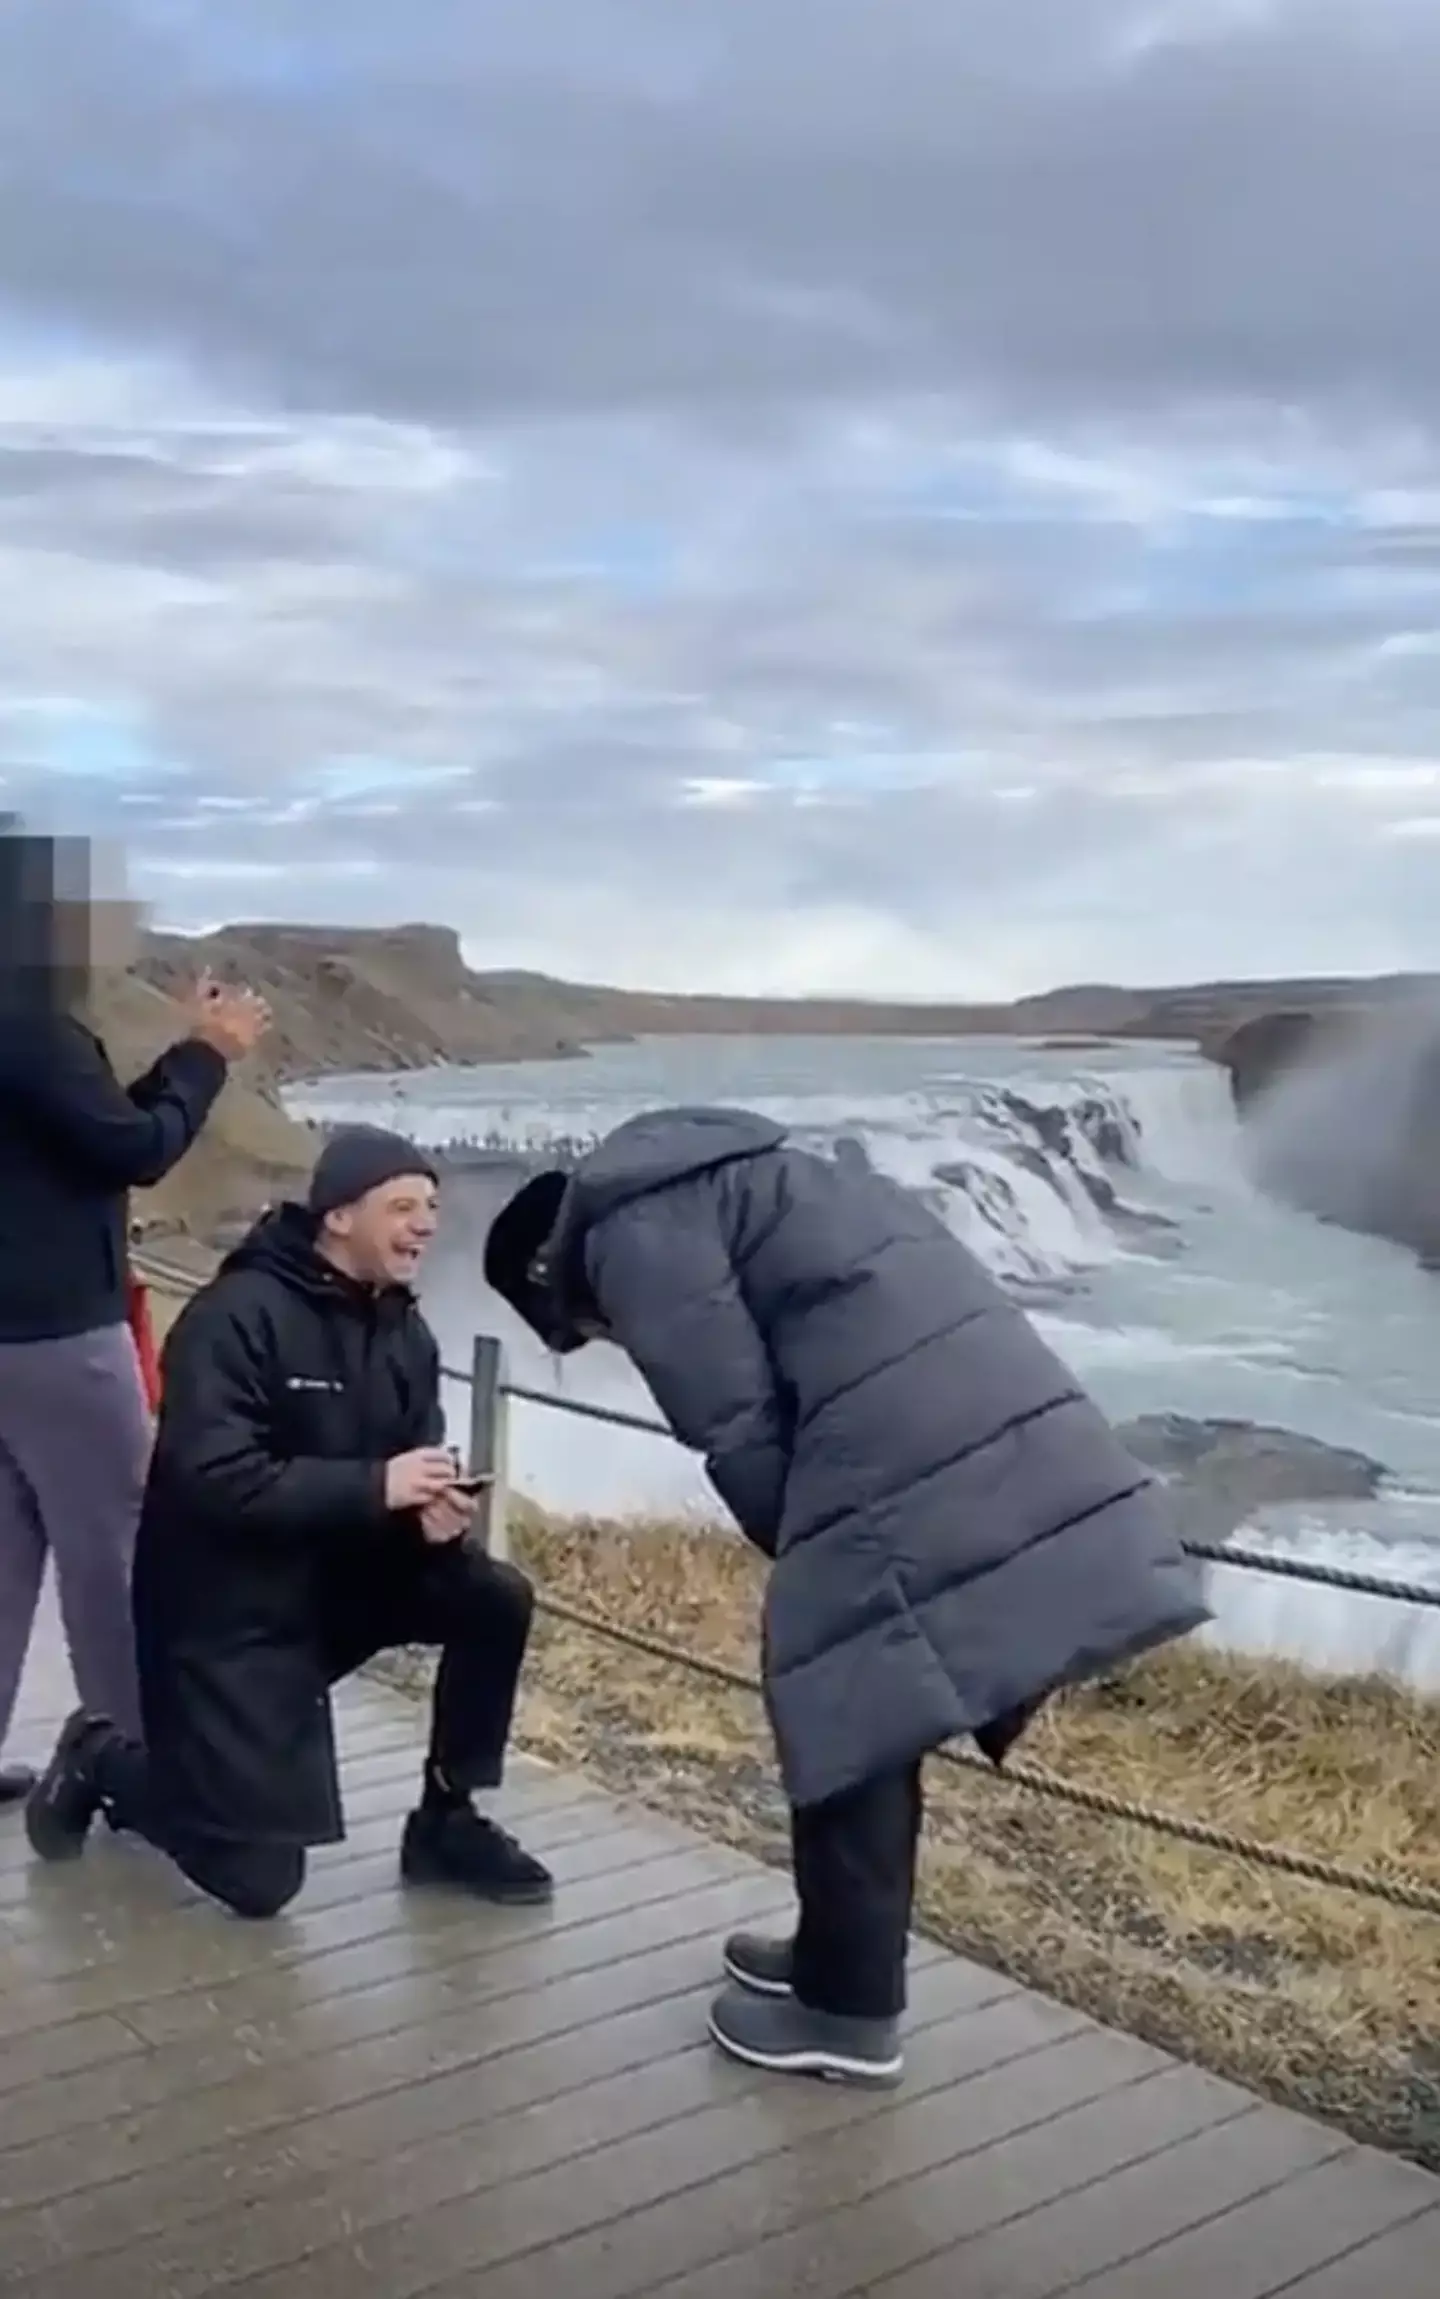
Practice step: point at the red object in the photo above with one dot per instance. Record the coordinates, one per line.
(143, 1333)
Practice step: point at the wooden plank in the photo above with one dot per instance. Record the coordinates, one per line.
(591, 1930)
(597, 1876)
(108, 1937)
(394, 2230)
(1039, 2253)
(51, 2164)
(402, 2181)
(453, 2002)
(76, 2047)
(786, 2201)
(296, 2165)
(1400, 2265)
(1258, 2248)
(298, 2168)
(1045, 2128)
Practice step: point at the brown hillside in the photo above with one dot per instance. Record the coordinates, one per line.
(397, 999)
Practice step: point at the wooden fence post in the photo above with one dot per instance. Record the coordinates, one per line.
(489, 1415)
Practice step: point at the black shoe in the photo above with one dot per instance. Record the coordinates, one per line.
(762, 1967)
(471, 1854)
(16, 1782)
(788, 2038)
(65, 1799)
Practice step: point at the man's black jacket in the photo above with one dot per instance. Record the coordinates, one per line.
(265, 1539)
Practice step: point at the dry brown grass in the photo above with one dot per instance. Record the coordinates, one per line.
(1316, 1997)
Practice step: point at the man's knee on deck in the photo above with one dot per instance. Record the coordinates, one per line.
(256, 1881)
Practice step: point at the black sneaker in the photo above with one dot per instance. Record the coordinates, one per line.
(16, 1782)
(788, 2038)
(472, 1854)
(65, 1799)
(762, 1967)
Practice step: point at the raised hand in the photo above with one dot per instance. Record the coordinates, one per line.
(232, 1020)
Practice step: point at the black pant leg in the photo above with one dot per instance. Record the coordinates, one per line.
(483, 1630)
(253, 1880)
(854, 1861)
(477, 1611)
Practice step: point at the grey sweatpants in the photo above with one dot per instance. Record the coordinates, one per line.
(74, 1440)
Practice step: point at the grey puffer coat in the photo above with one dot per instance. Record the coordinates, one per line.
(956, 1531)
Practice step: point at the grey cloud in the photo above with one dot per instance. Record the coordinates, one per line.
(568, 206)
(641, 280)
(278, 628)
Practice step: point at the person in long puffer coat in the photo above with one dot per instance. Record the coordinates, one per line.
(955, 1530)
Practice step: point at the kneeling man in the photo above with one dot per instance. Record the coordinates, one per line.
(303, 1514)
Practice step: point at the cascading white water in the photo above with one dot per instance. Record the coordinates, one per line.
(1020, 1180)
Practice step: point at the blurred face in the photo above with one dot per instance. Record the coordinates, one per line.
(114, 935)
(97, 937)
(81, 918)
(382, 1239)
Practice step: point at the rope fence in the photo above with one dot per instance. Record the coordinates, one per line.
(1208, 1552)
(1038, 1780)
(491, 1394)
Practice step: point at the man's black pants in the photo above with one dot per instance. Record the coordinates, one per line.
(854, 1861)
(474, 1608)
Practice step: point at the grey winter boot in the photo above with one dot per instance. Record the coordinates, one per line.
(761, 1966)
(788, 2038)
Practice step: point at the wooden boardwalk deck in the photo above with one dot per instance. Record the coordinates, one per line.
(378, 2097)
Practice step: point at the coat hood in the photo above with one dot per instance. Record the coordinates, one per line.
(652, 1152)
(535, 1255)
(640, 1157)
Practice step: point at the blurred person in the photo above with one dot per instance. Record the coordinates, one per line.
(954, 1530)
(302, 1514)
(74, 1428)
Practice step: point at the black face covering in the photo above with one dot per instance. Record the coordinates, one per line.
(518, 1262)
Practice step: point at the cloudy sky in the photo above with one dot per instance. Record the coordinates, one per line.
(756, 494)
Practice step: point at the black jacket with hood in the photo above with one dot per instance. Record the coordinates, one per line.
(265, 1534)
(956, 1530)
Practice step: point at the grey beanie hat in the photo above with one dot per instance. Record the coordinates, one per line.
(362, 1158)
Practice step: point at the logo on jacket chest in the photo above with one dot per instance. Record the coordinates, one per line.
(314, 1385)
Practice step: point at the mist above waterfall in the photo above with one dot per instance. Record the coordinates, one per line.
(1353, 1136)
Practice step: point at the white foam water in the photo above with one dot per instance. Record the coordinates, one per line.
(1107, 1192)
(1024, 1179)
